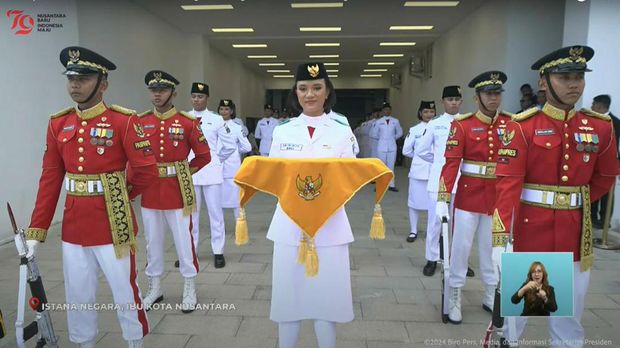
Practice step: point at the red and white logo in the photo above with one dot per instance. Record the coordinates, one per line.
(22, 23)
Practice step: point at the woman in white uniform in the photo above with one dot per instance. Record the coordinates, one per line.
(230, 191)
(325, 298)
(420, 169)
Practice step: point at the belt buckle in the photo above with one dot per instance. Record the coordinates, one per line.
(80, 186)
(490, 171)
(162, 171)
(562, 200)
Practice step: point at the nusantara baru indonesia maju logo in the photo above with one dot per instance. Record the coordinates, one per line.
(23, 23)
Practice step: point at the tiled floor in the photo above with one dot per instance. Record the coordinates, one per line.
(395, 305)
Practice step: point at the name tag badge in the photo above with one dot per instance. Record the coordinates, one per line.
(291, 147)
(549, 131)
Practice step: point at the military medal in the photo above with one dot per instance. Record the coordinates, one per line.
(100, 141)
(580, 147)
(586, 157)
(93, 141)
(175, 143)
(109, 142)
(588, 148)
(100, 150)
(594, 148)
(181, 136)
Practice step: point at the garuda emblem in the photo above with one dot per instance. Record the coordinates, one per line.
(139, 130)
(307, 188)
(507, 137)
(452, 132)
(313, 70)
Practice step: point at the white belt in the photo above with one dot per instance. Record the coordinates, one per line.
(83, 186)
(166, 171)
(477, 169)
(550, 198)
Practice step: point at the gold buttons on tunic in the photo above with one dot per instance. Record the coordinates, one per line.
(81, 150)
(490, 138)
(161, 148)
(477, 138)
(566, 156)
(490, 158)
(491, 145)
(161, 141)
(490, 132)
(161, 155)
(566, 135)
(161, 135)
(81, 159)
(81, 131)
(564, 178)
(64, 140)
(565, 125)
(548, 144)
(84, 123)
(567, 146)
(565, 167)
(526, 220)
(161, 128)
(490, 152)
(80, 140)
(80, 169)
(162, 122)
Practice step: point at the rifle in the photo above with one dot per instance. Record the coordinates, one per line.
(29, 273)
(444, 258)
(494, 333)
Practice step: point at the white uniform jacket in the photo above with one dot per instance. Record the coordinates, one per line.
(385, 133)
(331, 139)
(420, 169)
(222, 145)
(432, 146)
(264, 132)
(233, 162)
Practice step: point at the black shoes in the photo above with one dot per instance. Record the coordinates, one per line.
(470, 272)
(219, 261)
(411, 237)
(393, 189)
(176, 264)
(429, 269)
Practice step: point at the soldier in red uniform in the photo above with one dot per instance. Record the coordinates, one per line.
(552, 163)
(172, 198)
(471, 147)
(88, 148)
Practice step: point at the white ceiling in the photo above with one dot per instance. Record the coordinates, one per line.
(365, 23)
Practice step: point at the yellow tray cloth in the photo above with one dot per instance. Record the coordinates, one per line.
(310, 191)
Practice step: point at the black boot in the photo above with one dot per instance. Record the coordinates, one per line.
(470, 272)
(429, 269)
(176, 264)
(219, 261)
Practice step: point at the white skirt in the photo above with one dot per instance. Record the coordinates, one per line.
(230, 194)
(327, 296)
(418, 195)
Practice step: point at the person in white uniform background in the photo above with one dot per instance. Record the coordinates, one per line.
(230, 191)
(372, 143)
(208, 181)
(431, 148)
(325, 298)
(264, 130)
(386, 131)
(420, 169)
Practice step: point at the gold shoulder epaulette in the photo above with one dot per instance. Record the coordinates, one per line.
(122, 110)
(62, 112)
(593, 113)
(507, 113)
(464, 116)
(522, 116)
(145, 113)
(188, 115)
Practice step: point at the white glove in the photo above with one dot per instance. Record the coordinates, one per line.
(32, 247)
(497, 256)
(441, 210)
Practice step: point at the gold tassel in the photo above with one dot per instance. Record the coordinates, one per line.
(302, 251)
(312, 260)
(241, 229)
(377, 226)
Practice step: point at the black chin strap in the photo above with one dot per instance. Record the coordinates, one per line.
(555, 96)
(170, 96)
(92, 94)
(482, 104)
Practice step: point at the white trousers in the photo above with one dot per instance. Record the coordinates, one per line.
(433, 228)
(213, 198)
(325, 332)
(466, 225)
(389, 159)
(414, 214)
(180, 225)
(564, 331)
(81, 267)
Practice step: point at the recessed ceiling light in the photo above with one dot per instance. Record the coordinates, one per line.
(249, 45)
(320, 28)
(331, 64)
(262, 56)
(283, 76)
(388, 55)
(411, 27)
(381, 63)
(279, 71)
(323, 44)
(332, 76)
(324, 56)
(375, 70)
(270, 64)
(207, 7)
(431, 3)
(371, 75)
(333, 71)
(232, 30)
(397, 44)
(316, 4)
